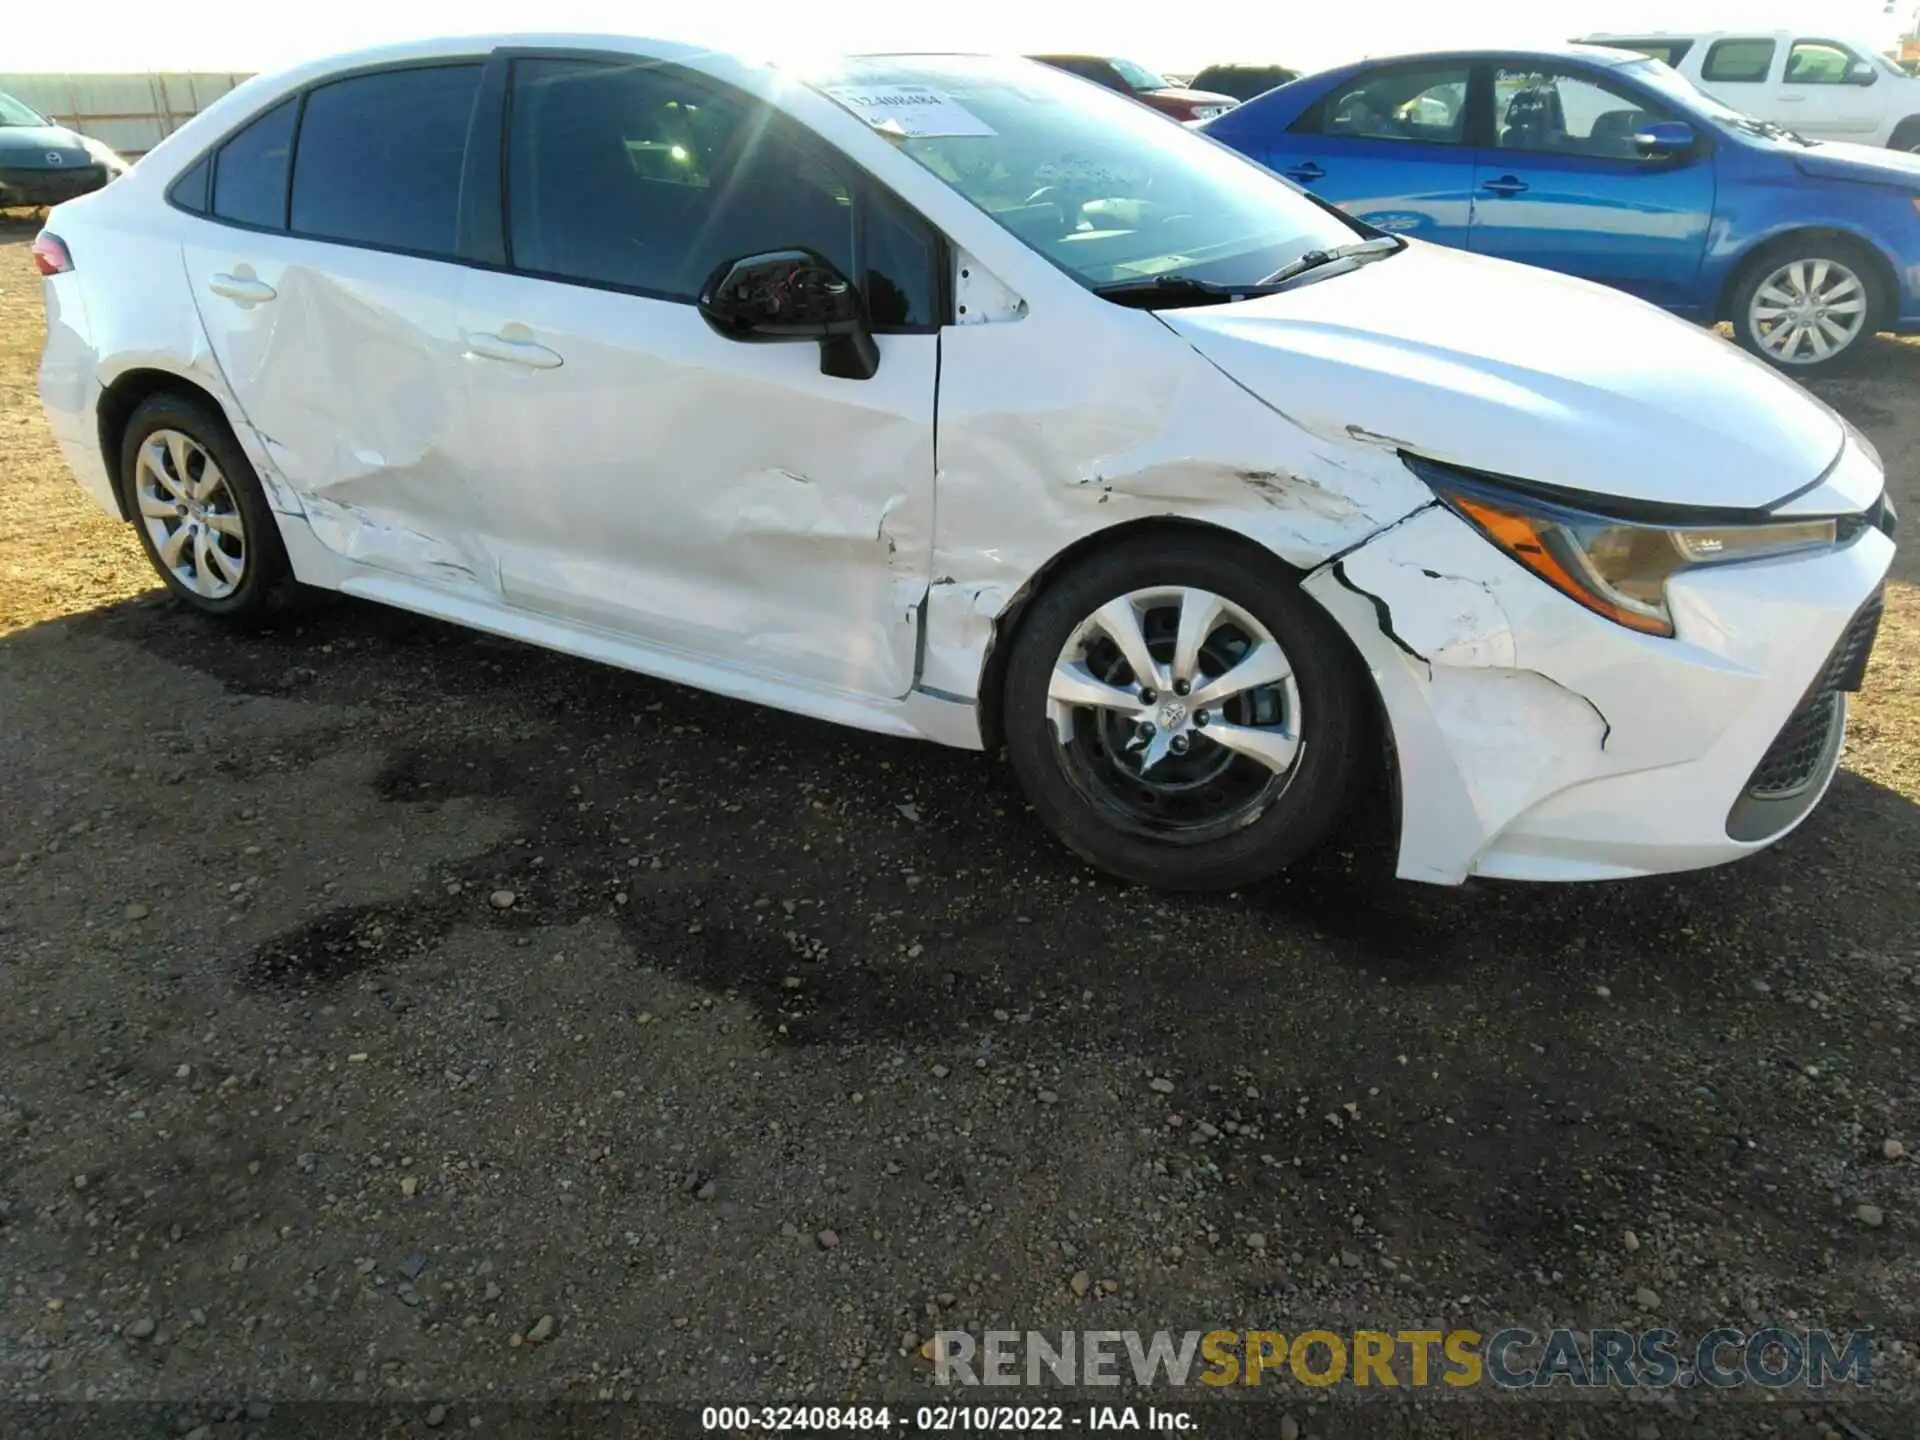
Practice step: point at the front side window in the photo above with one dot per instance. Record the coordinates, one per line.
(380, 158)
(632, 177)
(1818, 62)
(1102, 187)
(1424, 103)
(1739, 62)
(1564, 113)
(250, 172)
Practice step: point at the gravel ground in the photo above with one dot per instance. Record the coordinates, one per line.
(392, 1014)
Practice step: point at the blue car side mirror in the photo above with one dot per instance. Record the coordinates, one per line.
(1664, 138)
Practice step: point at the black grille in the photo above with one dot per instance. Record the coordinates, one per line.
(22, 186)
(1795, 753)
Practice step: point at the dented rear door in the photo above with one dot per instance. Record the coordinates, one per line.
(346, 363)
(325, 276)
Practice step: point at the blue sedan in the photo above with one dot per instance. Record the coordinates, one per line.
(1608, 165)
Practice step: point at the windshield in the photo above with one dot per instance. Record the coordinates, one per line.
(12, 112)
(1103, 187)
(1659, 76)
(1138, 76)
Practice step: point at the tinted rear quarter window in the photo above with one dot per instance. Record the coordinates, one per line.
(250, 172)
(1738, 61)
(380, 158)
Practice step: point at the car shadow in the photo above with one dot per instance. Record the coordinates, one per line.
(1468, 1064)
(919, 812)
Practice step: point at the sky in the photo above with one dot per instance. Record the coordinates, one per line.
(246, 35)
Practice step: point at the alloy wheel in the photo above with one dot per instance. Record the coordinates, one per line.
(1176, 712)
(191, 514)
(1807, 311)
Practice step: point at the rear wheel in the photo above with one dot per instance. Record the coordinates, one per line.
(198, 507)
(1807, 305)
(1180, 715)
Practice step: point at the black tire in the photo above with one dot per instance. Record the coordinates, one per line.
(1335, 725)
(1906, 135)
(1856, 257)
(266, 584)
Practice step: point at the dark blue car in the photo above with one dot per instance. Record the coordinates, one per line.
(1608, 165)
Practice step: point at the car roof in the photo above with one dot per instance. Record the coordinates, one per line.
(676, 51)
(1592, 54)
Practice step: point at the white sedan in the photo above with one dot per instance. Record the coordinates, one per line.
(952, 397)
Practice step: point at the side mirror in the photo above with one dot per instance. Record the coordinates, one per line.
(793, 295)
(1861, 72)
(1664, 139)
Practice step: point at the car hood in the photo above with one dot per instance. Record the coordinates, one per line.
(1523, 373)
(1869, 163)
(1185, 96)
(30, 143)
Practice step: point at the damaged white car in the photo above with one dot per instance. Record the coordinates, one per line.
(955, 397)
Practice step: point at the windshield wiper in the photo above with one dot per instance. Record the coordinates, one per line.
(1190, 290)
(1362, 251)
(1183, 288)
(1767, 130)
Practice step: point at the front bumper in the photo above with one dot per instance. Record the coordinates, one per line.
(1538, 741)
(22, 186)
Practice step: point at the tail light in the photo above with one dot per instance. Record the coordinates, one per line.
(50, 254)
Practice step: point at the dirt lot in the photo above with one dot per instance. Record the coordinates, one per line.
(795, 1044)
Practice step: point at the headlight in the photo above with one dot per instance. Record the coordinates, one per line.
(1616, 568)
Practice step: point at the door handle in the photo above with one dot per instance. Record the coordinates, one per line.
(1792, 99)
(243, 288)
(1306, 172)
(1505, 185)
(513, 352)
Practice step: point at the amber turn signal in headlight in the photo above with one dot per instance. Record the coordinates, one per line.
(1619, 568)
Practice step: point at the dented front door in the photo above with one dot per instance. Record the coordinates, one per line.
(346, 364)
(640, 474)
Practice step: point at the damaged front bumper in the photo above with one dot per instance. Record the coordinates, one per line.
(1536, 740)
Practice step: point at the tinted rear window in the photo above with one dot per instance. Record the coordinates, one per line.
(1745, 61)
(1671, 51)
(250, 173)
(380, 158)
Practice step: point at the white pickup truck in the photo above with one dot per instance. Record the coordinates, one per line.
(1808, 81)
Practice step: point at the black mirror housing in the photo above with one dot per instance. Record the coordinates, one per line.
(1861, 72)
(785, 295)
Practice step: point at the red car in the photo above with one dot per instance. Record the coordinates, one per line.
(1143, 85)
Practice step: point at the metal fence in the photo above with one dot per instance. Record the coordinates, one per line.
(130, 113)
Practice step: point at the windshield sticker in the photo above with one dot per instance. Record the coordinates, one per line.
(914, 111)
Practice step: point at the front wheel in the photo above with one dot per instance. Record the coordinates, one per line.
(1181, 715)
(1807, 306)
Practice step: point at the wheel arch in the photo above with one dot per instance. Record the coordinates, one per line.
(1006, 625)
(127, 392)
(1905, 135)
(1742, 264)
